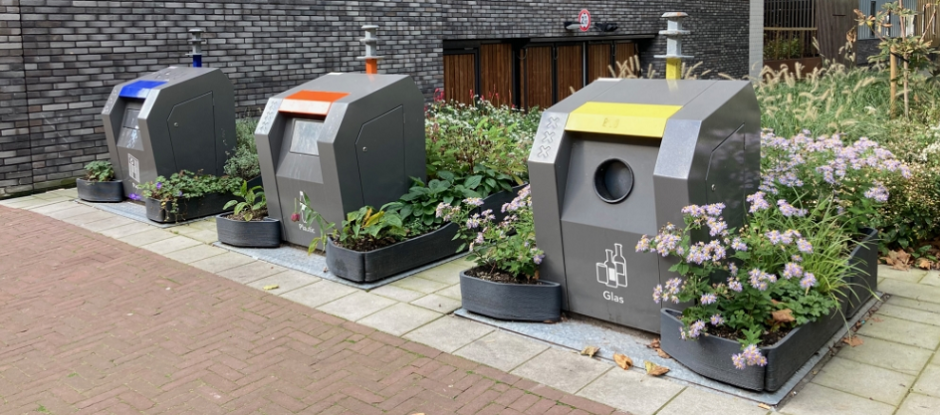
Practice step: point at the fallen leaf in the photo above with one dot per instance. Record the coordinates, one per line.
(623, 361)
(783, 316)
(876, 319)
(590, 351)
(853, 341)
(923, 263)
(655, 344)
(662, 354)
(888, 260)
(271, 287)
(653, 369)
(764, 406)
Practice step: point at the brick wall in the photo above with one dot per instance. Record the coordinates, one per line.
(60, 59)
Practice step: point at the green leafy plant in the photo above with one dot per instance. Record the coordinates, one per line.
(506, 247)
(99, 171)
(418, 207)
(363, 230)
(244, 162)
(186, 185)
(254, 204)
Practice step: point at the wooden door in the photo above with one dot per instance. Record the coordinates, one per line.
(537, 77)
(460, 78)
(624, 54)
(569, 70)
(496, 73)
(599, 61)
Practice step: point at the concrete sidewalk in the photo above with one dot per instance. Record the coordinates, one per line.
(894, 372)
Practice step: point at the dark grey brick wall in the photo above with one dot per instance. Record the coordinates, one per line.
(59, 59)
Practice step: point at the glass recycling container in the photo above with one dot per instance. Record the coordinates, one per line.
(619, 159)
(178, 118)
(345, 140)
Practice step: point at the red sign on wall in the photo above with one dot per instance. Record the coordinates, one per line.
(584, 20)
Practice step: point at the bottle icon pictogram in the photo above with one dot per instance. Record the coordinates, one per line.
(613, 271)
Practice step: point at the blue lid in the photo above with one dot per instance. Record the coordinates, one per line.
(139, 89)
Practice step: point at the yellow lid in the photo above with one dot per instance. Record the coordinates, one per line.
(637, 120)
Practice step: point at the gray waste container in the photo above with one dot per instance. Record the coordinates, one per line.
(346, 141)
(179, 118)
(619, 159)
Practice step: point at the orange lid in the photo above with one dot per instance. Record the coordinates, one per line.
(311, 102)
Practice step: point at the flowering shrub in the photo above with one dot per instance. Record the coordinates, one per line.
(780, 271)
(805, 170)
(507, 246)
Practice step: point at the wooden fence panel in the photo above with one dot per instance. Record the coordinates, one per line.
(537, 77)
(569, 72)
(496, 73)
(460, 77)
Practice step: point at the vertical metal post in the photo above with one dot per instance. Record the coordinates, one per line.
(197, 42)
(674, 33)
(370, 41)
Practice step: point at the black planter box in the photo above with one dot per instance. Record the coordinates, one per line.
(394, 259)
(255, 234)
(112, 191)
(710, 356)
(863, 282)
(514, 302)
(187, 209)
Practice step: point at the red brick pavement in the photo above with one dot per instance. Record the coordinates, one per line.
(92, 325)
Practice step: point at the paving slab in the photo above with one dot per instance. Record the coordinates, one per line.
(134, 211)
(915, 304)
(910, 290)
(55, 207)
(819, 400)
(913, 275)
(912, 314)
(196, 253)
(889, 355)
(206, 237)
(173, 244)
(563, 370)
(397, 293)
(929, 382)
(248, 272)
(437, 303)
(917, 404)
(449, 333)
(451, 292)
(399, 319)
(319, 293)
(880, 384)
(109, 223)
(631, 391)
(31, 202)
(87, 218)
(694, 401)
(501, 350)
(931, 278)
(146, 237)
(285, 281)
(903, 331)
(448, 273)
(125, 230)
(419, 284)
(72, 211)
(219, 263)
(356, 305)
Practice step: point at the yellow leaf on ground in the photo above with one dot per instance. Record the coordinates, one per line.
(783, 316)
(923, 263)
(590, 351)
(271, 287)
(853, 341)
(764, 406)
(653, 369)
(662, 354)
(623, 361)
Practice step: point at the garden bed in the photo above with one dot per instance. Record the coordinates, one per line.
(863, 282)
(384, 262)
(710, 356)
(187, 209)
(264, 233)
(540, 301)
(97, 191)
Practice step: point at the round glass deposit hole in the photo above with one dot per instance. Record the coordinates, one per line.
(613, 181)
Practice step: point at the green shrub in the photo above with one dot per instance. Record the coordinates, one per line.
(186, 185)
(99, 171)
(244, 163)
